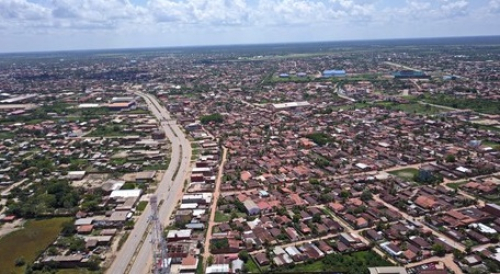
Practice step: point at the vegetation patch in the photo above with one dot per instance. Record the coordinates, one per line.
(354, 263)
(49, 198)
(494, 145)
(456, 185)
(221, 217)
(109, 131)
(215, 118)
(28, 242)
(477, 104)
(122, 240)
(7, 135)
(136, 111)
(251, 266)
(413, 108)
(200, 267)
(405, 173)
(320, 138)
(157, 166)
(218, 245)
(141, 205)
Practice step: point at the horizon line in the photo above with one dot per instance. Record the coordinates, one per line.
(239, 44)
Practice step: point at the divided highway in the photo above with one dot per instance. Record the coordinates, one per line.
(136, 254)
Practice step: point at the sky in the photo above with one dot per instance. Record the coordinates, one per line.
(48, 25)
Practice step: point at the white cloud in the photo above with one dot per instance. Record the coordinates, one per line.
(494, 5)
(211, 12)
(313, 19)
(118, 14)
(427, 11)
(22, 10)
(107, 12)
(455, 8)
(291, 12)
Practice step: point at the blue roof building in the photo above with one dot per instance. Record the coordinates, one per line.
(405, 74)
(334, 73)
(284, 75)
(450, 77)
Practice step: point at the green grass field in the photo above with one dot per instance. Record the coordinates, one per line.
(141, 205)
(405, 173)
(490, 144)
(221, 217)
(252, 266)
(456, 185)
(357, 262)
(414, 108)
(28, 242)
(411, 108)
(200, 267)
(7, 135)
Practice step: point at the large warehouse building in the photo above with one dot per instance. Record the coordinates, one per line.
(334, 73)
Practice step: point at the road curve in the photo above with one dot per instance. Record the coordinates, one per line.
(136, 253)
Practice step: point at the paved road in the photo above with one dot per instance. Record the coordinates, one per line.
(357, 234)
(136, 254)
(400, 66)
(441, 106)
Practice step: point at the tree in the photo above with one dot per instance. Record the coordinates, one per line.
(458, 254)
(215, 117)
(450, 158)
(52, 251)
(468, 249)
(68, 229)
(427, 177)
(380, 226)
(319, 138)
(316, 218)
(20, 261)
(439, 250)
(210, 260)
(243, 255)
(345, 194)
(366, 195)
(281, 211)
(77, 244)
(94, 263)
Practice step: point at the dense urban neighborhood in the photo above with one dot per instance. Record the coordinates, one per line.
(324, 157)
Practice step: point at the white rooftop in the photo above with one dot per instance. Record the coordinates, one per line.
(125, 193)
(291, 105)
(180, 233)
(387, 270)
(218, 268)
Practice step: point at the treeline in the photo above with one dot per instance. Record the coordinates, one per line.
(319, 138)
(215, 118)
(44, 199)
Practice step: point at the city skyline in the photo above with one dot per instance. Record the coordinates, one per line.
(43, 25)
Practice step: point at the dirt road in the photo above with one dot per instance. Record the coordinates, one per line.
(213, 207)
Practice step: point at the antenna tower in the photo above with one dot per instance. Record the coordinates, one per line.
(161, 263)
